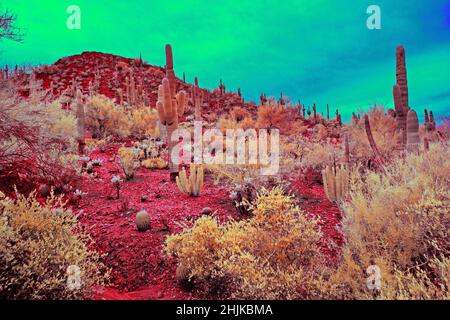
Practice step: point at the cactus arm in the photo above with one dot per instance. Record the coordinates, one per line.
(372, 143)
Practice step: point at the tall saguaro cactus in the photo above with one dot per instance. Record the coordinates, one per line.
(80, 121)
(170, 106)
(400, 93)
(401, 76)
(197, 97)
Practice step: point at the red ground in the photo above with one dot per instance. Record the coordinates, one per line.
(140, 270)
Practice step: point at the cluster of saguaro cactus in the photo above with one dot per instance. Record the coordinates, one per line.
(328, 111)
(192, 185)
(170, 106)
(197, 98)
(80, 121)
(335, 182)
(355, 118)
(400, 93)
(412, 132)
(263, 99)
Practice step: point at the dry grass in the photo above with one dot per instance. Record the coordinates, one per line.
(37, 245)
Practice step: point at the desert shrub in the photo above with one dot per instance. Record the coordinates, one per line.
(399, 221)
(239, 114)
(92, 144)
(384, 133)
(129, 160)
(38, 244)
(154, 163)
(226, 122)
(144, 122)
(35, 140)
(272, 255)
(103, 118)
(273, 116)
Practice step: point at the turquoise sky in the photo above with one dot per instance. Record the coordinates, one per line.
(317, 51)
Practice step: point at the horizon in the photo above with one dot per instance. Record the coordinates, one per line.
(328, 55)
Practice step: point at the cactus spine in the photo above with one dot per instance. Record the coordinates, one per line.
(412, 126)
(335, 183)
(80, 121)
(192, 185)
(170, 106)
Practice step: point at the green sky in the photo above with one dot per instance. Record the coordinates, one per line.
(317, 51)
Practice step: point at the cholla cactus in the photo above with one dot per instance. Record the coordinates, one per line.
(193, 185)
(115, 180)
(170, 106)
(335, 183)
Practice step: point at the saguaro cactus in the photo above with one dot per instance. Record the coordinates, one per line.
(197, 97)
(335, 183)
(170, 106)
(315, 113)
(346, 150)
(400, 93)
(401, 76)
(372, 143)
(432, 123)
(412, 129)
(80, 121)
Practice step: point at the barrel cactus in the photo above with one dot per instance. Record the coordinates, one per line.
(142, 221)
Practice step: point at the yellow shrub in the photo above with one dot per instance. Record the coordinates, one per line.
(144, 122)
(154, 163)
(103, 118)
(38, 244)
(273, 255)
(399, 221)
(383, 130)
(129, 159)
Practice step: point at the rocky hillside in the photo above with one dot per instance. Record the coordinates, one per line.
(128, 81)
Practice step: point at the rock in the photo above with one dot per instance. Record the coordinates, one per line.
(182, 277)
